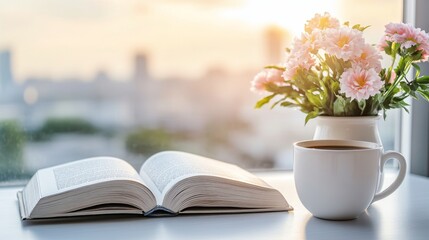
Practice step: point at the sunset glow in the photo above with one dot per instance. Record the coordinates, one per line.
(288, 14)
(181, 38)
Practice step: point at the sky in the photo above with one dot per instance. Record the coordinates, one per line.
(61, 38)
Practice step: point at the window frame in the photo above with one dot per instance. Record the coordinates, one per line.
(414, 134)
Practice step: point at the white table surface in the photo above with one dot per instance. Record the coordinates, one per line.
(402, 215)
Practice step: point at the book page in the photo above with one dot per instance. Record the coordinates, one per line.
(85, 172)
(166, 168)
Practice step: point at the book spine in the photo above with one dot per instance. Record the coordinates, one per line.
(160, 211)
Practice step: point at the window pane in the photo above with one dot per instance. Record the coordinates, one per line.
(130, 78)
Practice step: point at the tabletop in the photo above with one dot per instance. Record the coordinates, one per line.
(402, 215)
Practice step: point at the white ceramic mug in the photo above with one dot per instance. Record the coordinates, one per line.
(337, 179)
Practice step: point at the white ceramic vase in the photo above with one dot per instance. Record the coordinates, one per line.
(360, 128)
(348, 128)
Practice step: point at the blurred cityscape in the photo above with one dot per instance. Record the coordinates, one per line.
(45, 121)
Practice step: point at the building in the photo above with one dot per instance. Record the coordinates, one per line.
(6, 77)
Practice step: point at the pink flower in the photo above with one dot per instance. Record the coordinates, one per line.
(407, 36)
(291, 68)
(382, 44)
(400, 33)
(264, 77)
(299, 57)
(422, 40)
(321, 22)
(293, 64)
(344, 43)
(360, 84)
(302, 45)
(392, 77)
(369, 58)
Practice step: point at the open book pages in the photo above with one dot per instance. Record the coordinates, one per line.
(89, 186)
(190, 183)
(169, 182)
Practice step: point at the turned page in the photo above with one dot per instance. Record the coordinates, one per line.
(167, 168)
(82, 173)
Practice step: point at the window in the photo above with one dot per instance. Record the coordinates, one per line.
(131, 78)
(418, 134)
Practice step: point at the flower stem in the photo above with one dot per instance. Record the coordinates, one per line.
(398, 80)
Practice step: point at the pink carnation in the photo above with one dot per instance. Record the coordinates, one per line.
(264, 77)
(382, 44)
(369, 58)
(407, 36)
(344, 43)
(360, 84)
(293, 64)
(400, 33)
(299, 57)
(321, 22)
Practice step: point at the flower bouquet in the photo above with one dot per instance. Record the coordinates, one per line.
(330, 70)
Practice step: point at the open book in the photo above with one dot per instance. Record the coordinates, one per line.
(168, 183)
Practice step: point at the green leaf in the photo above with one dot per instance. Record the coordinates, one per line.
(311, 115)
(400, 104)
(288, 104)
(314, 99)
(339, 106)
(275, 67)
(414, 86)
(374, 104)
(264, 100)
(405, 87)
(324, 94)
(277, 102)
(424, 94)
(423, 80)
(359, 27)
(388, 49)
(417, 67)
(335, 86)
(400, 98)
(416, 56)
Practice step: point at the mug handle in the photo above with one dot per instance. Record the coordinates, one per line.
(402, 170)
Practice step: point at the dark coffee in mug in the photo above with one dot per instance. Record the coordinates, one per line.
(339, 147)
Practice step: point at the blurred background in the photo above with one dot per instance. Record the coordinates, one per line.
(130, 78)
